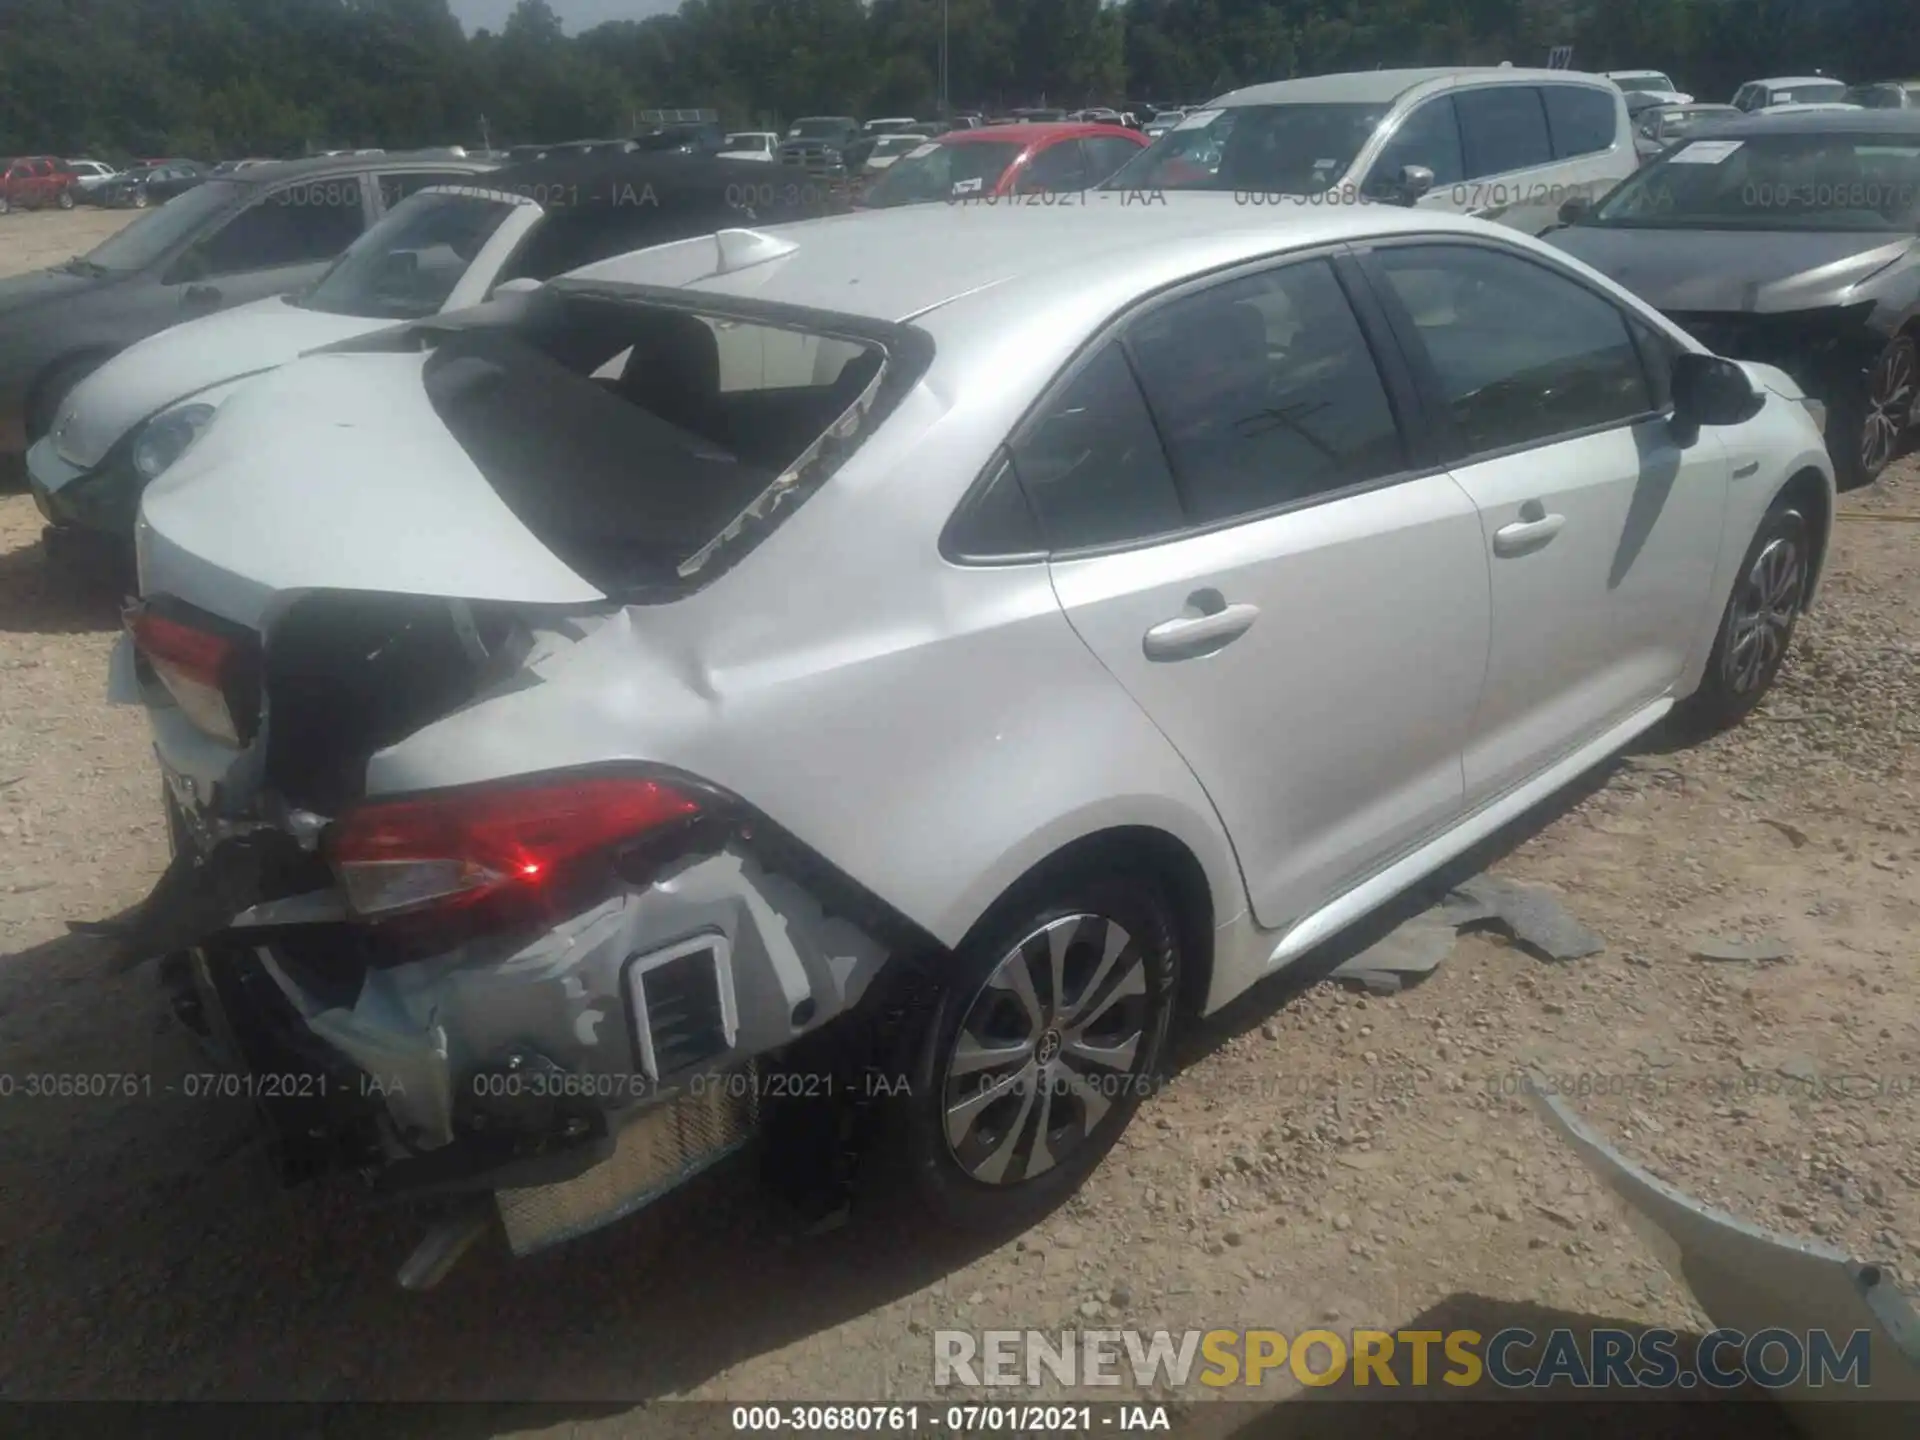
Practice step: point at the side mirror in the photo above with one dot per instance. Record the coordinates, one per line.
(1710, 390)
(1415, 181)
(1574, 209)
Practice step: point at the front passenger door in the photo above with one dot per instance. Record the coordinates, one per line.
(1601, 529)
(1244, 534)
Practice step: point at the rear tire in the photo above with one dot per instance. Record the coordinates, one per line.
(66, 199)
(1757, 625)
(1048, 1032)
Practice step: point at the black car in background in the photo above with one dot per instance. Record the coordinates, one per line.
(154, 184)
(698, 137)
(257, 233)
(1793, 240)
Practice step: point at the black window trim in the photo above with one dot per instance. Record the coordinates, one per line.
(1439, 414)
(1421, 459)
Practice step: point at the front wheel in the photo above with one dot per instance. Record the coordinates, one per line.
(1867, 420)
(1758, 624)
(5, 205)
(139, 200)
(66, 199)
(1046, 1037)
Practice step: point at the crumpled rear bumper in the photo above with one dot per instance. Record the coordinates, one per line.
(577, 1072)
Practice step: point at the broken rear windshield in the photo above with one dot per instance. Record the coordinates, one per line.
(634, 440)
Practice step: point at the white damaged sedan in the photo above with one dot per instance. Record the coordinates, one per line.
(587, 748)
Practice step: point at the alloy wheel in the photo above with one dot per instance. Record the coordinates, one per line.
(1892, 406)
(1760, 619)
(1047, 1047)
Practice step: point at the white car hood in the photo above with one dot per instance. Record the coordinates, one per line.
(182, 361)
(336, 473)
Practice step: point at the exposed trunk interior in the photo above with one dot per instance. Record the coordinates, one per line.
(349, 673)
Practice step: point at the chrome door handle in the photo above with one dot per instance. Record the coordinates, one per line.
(1188, 637)
(1524, 536)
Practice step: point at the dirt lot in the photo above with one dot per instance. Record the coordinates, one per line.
(1323, 1158)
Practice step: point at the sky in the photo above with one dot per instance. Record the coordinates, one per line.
(575, 15)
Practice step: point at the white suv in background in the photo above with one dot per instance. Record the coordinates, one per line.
(1501, 144)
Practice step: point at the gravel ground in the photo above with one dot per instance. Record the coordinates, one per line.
(1323, 1158)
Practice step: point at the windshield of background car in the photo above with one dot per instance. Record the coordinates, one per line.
(158, 231)
(1818, 94)
(933, 171)
(1773, 182)
(818, 129)
(1291, 149)
(1644, 80)
(1673, 124)
(406, 266)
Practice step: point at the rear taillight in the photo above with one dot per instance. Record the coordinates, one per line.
(461, 847)
(206, 673)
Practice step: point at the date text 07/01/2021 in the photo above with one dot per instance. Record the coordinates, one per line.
(887, 1419)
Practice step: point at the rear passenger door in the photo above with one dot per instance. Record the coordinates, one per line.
(1601, 531)
(1509, 156)
(1255, 545)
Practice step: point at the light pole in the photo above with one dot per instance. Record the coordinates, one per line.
(945, 98)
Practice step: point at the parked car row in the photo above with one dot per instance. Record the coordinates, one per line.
(491, 578)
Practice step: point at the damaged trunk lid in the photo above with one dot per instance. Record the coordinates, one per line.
(336, 473)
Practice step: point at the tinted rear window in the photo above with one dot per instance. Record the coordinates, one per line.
(1580, 119)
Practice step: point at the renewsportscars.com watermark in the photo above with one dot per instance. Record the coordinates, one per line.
(1511, 1359)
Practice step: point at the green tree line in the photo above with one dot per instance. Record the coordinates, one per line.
(215, 78)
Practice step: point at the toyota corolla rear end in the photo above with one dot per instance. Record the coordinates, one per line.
(554, 985)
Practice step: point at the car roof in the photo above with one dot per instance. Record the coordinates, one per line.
(1853, 122)
(1798, 80)
(1380, 87)
(952, 254)
(1032, 131)
(321, 166)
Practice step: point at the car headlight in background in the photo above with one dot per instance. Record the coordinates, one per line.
(165, 438)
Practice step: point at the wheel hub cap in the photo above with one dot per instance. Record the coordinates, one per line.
(1760, 620)
(1046, 1048)
(1892, 405)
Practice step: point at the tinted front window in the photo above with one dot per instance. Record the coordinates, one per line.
(1265, 392)
(296, 225)
(1092, 464)
(1504, 128)
(1429, 136)
(943, 172)
(159, 231)
(1058, 167)
(1774, 182)
(1580, 119)
(1522, 354)
(1277, 149)
(1106, 154)
(407, 265)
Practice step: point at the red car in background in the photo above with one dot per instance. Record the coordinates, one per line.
(1004, 160)
(31, 181)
